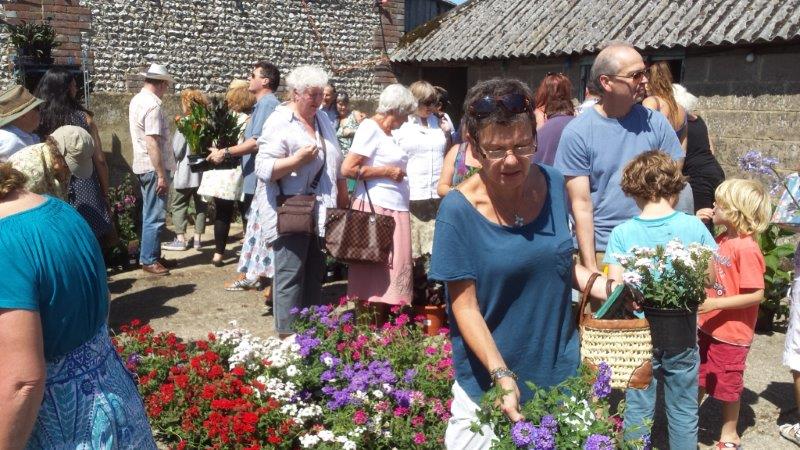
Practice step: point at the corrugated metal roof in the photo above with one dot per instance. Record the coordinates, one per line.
(493, 29)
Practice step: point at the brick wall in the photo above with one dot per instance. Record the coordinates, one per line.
(68, 17)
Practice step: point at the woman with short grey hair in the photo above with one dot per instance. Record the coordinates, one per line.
(379, 165)
(298, 153)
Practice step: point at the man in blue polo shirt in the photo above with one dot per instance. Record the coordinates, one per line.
(595, 147)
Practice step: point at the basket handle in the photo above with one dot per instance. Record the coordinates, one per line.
(585, 297)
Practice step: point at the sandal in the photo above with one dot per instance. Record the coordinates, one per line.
(790, 432)
(243, 284)
(723, 445)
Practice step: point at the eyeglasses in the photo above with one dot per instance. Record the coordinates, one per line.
(635, 76)
(513, 103)
(521, 151)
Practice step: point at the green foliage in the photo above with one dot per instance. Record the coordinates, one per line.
(197, 128)
(225, 126)
(33, 39)
(778, 275)
(122, 200)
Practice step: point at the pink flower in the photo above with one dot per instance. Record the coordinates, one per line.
(430, 350)
(417, 421)
(360, 417)
(401, 320)
(395, 309)
(382, 406)
(419, 438)
(400, 411)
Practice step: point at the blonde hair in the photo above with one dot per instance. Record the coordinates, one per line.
(746, 204)
(239, 98)
(11, 179)
(424, 92)
(190, 96)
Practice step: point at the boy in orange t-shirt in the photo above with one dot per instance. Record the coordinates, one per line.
(727, 318)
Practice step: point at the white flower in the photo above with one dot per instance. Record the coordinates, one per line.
(292, 371)
(632, 278)
(326, 435)
(377, 393)
(357, 431)
(309, 440)
(361, 395)
(328, 361)
(645, 263)
(349, 445)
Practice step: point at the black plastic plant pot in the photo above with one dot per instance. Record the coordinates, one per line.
(198, 163)
(672, 329)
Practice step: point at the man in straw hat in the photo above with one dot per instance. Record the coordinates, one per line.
(19, 116)
(152, 163)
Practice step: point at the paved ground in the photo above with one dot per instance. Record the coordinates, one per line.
(191, 302)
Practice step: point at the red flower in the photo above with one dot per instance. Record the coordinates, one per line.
(238, 371)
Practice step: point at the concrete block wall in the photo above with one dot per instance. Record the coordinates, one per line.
(749, 105)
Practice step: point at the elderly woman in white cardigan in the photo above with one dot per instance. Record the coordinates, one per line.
(296, 142)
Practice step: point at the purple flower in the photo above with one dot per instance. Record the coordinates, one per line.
(646, 442)
(522, 433)
(294, 311)
(754, 162)
(549, 422)
(133, 359)
(307, 342)
(345, 318)
(408, 376)
(402, 397)
(602, 385)
(598, 442)
(543, 439)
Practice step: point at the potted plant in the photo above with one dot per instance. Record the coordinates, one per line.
(428, 299)
(777, 276)
(122, 200)
(33, 41)
(672, 280)
(204, 127)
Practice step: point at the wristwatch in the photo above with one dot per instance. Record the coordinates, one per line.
(502, 372)
(227, 152)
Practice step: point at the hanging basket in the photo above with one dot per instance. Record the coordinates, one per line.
(672, 329)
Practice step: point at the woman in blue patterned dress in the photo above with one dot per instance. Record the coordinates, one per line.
(59, 91)
(62, 383)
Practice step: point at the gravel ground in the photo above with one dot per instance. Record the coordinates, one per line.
(191, 302)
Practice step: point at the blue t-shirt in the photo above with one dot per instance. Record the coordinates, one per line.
(51, 263)
(264, 107)
(523, 281)
(600, 147)
(638, 232)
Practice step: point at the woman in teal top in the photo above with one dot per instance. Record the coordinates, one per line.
(503, 247)
(69, 387)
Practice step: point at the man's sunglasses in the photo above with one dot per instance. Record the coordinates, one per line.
(635, 76)
(513, 103)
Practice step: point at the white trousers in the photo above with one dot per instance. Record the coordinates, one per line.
(458, 435)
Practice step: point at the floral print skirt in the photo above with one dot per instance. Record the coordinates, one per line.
(257, 257)
(90, 401)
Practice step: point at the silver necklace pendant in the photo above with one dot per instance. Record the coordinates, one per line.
(518, 221)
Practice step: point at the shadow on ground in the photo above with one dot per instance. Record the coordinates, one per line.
(146, 304)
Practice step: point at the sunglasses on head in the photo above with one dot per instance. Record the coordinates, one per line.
(513, 103)
(550, 74)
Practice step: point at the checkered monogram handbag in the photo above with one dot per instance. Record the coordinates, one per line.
(354, 236)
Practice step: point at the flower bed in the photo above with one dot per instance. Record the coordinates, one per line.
(338, 384)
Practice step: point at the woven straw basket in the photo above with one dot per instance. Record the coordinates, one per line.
(622, 344)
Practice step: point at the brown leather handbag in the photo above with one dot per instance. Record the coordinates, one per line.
(296, 212)
(354, 236)
(623, 344)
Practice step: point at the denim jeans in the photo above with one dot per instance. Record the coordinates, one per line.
(154, 215)
(678, 372)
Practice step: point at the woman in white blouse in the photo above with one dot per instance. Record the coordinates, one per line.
(297, 141)
(422, 138)
(380, 165)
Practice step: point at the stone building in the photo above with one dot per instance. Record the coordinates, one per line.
(741, 57)
(206, 44)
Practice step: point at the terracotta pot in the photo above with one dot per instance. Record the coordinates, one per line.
(435, 318)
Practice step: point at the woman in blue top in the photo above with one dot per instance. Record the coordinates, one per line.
(502, 245)
(62, 384)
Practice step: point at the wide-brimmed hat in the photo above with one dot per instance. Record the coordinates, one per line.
(158, 72)
(15, 102)
(77, 146)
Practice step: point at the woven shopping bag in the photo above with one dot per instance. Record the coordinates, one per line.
(623, 344)
(787, 211)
